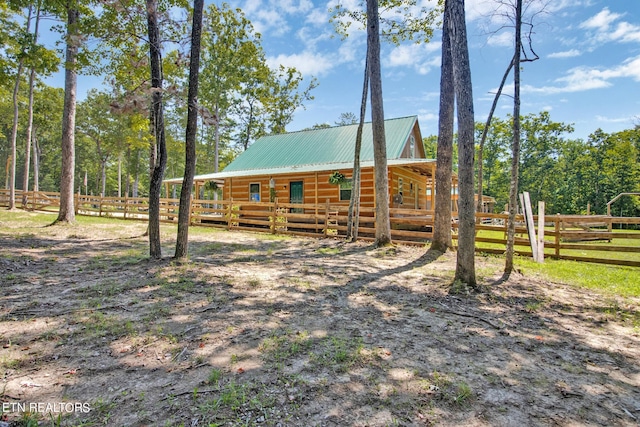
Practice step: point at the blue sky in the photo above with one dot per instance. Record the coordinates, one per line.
(588, 73)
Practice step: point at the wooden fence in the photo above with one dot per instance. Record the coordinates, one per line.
(588, 238)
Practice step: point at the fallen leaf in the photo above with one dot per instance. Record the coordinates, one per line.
(240, 370)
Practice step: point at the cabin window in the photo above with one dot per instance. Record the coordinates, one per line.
(400, 185)
(254, 192)
(345, 190)
(412, 147)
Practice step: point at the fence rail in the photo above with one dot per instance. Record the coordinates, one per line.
(587, 238)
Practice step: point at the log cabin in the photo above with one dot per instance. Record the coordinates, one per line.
(316, 165)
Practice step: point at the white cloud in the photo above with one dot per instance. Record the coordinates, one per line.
(606, 28)
(307, 63)
(317, 17)
(422, 57)
(566, 54)
(581, 79)
(476, 9)
(425, 117)
(601, 21)
(614, 119)
(503, 39)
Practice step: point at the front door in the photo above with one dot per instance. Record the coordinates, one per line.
(296, 194)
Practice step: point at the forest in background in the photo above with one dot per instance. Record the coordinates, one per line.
(250, 100)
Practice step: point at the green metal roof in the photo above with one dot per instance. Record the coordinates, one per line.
(321, 146)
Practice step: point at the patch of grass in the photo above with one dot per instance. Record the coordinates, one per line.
(101, 409)
(280, 346)
(606, 279)
(254, 282)
(339, 353)
(214, 376)
(98, 324)
(329, 251)
(533, 306)
(28, 419)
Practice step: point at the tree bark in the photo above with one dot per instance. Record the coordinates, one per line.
(27, 150)
(14, 128)
(67, 211)
(353, 217)
(442, 221)
(381, 177)
(14, 138)
(485, 131)
(465, 264)
(159, 149)
(36, 162)
(184, 214)
(515, 146)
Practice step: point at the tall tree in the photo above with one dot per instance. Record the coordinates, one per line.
(27, 151)
(285, 96)
(106, 129)
(24, 35)
(442, 215)
(158, 159)
(353, 216)
(526, 56)
(465, 264)
(184, 214)
(485, 131)
(66, 213)
(231, 56)
(381, 183)
(515, 146)
(403, 20)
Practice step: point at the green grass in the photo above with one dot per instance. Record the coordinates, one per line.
(607, 279)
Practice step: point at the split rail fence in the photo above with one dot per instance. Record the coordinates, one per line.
(587, 238)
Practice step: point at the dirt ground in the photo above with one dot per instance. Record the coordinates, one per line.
(262, 330)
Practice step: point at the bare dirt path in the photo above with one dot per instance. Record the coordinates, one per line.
(274, 331)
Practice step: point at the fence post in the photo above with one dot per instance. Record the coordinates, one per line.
(274, 216)
(557, 235)
(326, 218)
(541, 231)
(229, 210)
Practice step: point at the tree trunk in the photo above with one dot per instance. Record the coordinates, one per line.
(136, 176)
(67, 211)
(216, 148)
(184, 214)
(36, 162)
(14, 138)
(103, 177)
(485, 131)
(381, 177)
(127, 183)
(442, 221)
(353, 217)
(14, 128)
(158, 156)
(465, 264)
(27, 150)
(515, 146)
